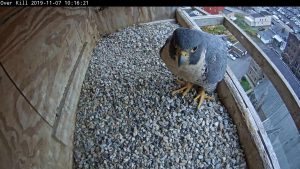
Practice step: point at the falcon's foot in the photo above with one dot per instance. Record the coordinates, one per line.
(201, 96)
(181, 82)
(184, 90)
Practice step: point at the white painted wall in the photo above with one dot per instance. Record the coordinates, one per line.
(263, 21)
(260, 21)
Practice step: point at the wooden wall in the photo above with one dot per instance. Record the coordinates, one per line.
(113, 18)
(44, 56)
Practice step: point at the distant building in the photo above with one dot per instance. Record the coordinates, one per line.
(296, 29)
(255, 74)
(276, 35)
(259, 9)
(278, 124)
(278, 42)
(244, 8)
(228, 13)
(275, 17)
(281, 32)
(281, 29)
(236, 10)
(266, 36)
(291, 54)
(213, 9)
(259, 19)
(194, 13)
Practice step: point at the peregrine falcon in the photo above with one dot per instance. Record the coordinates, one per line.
(198, 58)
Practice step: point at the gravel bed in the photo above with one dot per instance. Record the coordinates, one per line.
(128, 118)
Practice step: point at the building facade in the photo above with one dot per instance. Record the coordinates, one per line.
(278, 124)
(259, 19)
(255, 74)
(291, 54)
(266, 36)
(281, 34)
(213, 9)
(228, 13)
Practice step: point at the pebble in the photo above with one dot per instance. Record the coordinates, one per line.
(128, 118)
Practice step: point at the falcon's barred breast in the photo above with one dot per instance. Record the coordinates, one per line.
(197, 57)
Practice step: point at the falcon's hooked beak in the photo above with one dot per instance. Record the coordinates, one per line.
(183, 58)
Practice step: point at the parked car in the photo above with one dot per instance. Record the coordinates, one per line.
(232, 57)
(229, 44)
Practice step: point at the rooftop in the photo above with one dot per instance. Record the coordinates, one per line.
(226, 11)
(267, 34)
(236, 10)
(261, 14)
(265, 13)
(298, 36)
(278, 38)
(256, 15)
(296, 28)
(281, 30)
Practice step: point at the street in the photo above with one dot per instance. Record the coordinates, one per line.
(239, 66)
(286, 72)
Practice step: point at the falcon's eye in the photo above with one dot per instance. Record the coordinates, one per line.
(194, 49)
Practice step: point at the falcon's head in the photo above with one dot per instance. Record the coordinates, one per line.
(185, 46)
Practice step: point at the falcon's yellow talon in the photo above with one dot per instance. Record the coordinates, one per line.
(184, 90)
(181, 82)
(197, 97)
(202, 95)
(209, 97)
(179, 54)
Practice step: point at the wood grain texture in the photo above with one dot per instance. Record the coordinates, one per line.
(7, 14)
(25, 138)
(208, 20)
(45, 53)
(267, 145)
(196, 21)
(184, 20)
(247, 142)
(63, 131)
(39, 52)
(113, 18)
